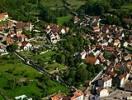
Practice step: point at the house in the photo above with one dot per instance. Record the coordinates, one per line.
(6, 27)
(129, 98)
(60, 97)
(104, 82)
(97, 62)
(123, 79)
(96, 53)
(77, 95)
(107, 81)
(125, 44)
(26, 45)
(57, 97)
(2, 49)
(83, 54)
(19, 26)
(96, 29)
(90, 59)
(63, 31)
(128, 57)
(4, 16)
(55, 28)
(54, 38)
(9, 40)
(105, 29)
(101, 58)
(76, 19)
(53, 31)
(103, 93)
(117, 43)
(22, 97)
(21, 37)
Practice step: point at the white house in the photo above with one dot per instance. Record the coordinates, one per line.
(83, 54)
(54, 38)
(96, 29)
(104, 82)
(125, 44)
(104, 93)
(123, 79)
(96, 53)
(22, 97)
(26, 45)
(117, 43)
(2, 49)
(97, 62)
(63, 31)
(108, 83)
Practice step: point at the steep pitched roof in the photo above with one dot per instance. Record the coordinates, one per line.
(90, 59)
(77, 93)
(57, 97)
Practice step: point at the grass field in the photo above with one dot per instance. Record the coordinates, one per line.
(62, 20)
(53, 4)
(75, 4)
(12, 71)
(45, 60)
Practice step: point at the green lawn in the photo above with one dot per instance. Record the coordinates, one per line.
(62, 20)
(45, 60)
(12, 70)
(53, 4)
(75, 4)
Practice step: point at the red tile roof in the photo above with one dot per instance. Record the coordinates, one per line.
(57, 97)
(78, 93)
(24, 43)
(90, 59)
(2, 16)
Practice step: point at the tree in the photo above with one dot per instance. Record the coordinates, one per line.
(82, 73)
(116, 3)
(94, 7)
(60, 58)
(98, 9)
(12, 48)
(70, 76)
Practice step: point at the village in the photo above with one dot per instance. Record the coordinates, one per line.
(118, 68)
(111, 41)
